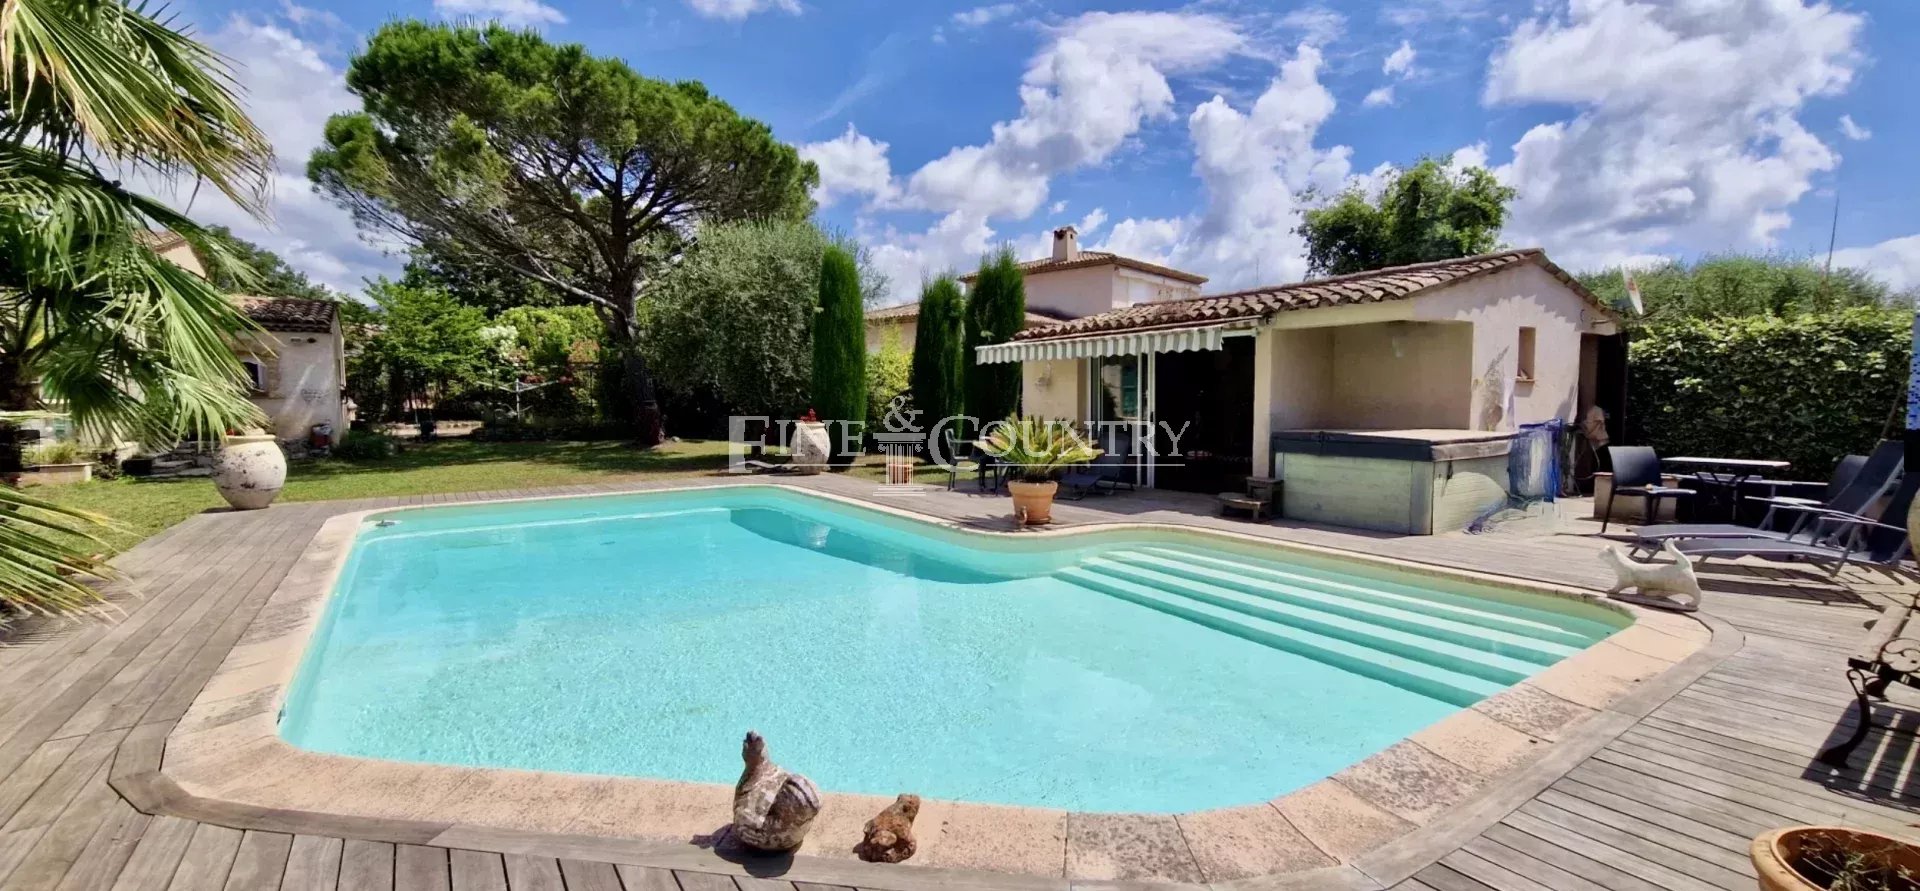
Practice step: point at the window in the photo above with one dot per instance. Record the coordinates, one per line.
(256, 375)
(1527, 337)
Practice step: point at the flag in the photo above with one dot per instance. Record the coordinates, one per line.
(1633, 292)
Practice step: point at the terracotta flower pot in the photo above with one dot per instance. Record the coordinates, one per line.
(1775, 853)
(1033, 500)
(249, 471)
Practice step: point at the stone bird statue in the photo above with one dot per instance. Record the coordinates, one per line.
(771, 807)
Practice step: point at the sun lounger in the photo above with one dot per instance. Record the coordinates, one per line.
(1857, 494)
(1834, 539)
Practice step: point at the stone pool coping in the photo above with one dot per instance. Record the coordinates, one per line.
(224, 762)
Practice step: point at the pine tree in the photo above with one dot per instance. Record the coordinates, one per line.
(839, 341)
(996, 310)
(939, 344)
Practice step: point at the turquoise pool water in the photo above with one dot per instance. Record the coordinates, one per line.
(1125, 671)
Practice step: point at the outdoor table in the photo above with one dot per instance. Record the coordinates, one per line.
(1732, 473)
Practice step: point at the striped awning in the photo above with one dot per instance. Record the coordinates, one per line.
(1168, 340)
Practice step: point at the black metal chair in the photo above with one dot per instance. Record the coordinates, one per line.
(1636, 471)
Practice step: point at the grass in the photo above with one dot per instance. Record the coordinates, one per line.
(139, 508)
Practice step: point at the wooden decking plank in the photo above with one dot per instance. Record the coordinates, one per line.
(313, 864)
(67, 836)
(703, 881)
(582, 875)
(261, 862)
(1471, 864)
(479, 871)
(1729, 854)
(208, 858)
(366, 866)
(155, 858)
(1656, 874)
(1812, 798)
(22, 783)
(1684, 870)
(527, 873)
(107, 851)
(644, 878)
(811, 886)
(422, 868)
(1443, 878)
(1668, 812)
(755, 883)
(1572, 862)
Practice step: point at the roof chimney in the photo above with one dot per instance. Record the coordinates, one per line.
(1066, 244)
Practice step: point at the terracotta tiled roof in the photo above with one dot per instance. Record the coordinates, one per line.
(1100, 258)
(1375, 286)
(906, 311)
(161, 239)
(288, 314)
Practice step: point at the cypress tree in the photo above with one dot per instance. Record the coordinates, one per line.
(996, 310)
(839, 341)
(939, 344)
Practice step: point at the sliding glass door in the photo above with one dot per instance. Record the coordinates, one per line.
(1122, 410)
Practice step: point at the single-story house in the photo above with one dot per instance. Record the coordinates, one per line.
(1384, 399)
(297, 361)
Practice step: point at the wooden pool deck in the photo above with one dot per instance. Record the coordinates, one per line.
(1668, 798)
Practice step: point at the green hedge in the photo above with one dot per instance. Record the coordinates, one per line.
(1805, 389)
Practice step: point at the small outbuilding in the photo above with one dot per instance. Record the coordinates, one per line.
(1382, 399)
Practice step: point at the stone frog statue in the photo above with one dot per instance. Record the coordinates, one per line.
(890, 833)
(771, 807)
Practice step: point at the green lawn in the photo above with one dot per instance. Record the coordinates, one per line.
(140, 508)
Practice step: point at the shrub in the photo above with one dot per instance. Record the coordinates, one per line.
(68, 452)
(1806, 389)
(367, 446)
(887, 373)
(996, 310)
(839, 391)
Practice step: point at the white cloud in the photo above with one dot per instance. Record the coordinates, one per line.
(1082, 96)
(1400, 61)
(1853, 131)
(984, 15)
(1252, 163)
(736, 10)
(290, 89)
(516, 13)
(954, 244)
(1377, 97)
(1696, 142)
(1895, 261)
(1094, 219)
(1316, 25)
(851, 165)
(1057, 207)
(1152, 240)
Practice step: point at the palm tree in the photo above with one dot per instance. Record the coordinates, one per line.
(91, 318)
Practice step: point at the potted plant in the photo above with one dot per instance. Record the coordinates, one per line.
(1037, 450)
(1831, 858)
(250, 469)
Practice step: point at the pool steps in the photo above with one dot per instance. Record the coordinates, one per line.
(1441, 648)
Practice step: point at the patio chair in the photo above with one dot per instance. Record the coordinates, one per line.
(966, 459)
(1835, 539)
(1636, 471)
(1848, 493)
(1106, 475)
(1257, 501)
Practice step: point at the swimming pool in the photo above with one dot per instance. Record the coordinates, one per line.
(1128, 670)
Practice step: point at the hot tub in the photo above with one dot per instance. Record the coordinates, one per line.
(1414, 482)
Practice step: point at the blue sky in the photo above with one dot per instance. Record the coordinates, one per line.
(1186, 133)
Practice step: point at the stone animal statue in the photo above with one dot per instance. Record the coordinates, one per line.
(890, 833)
(1664, 585)
(771, 807)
